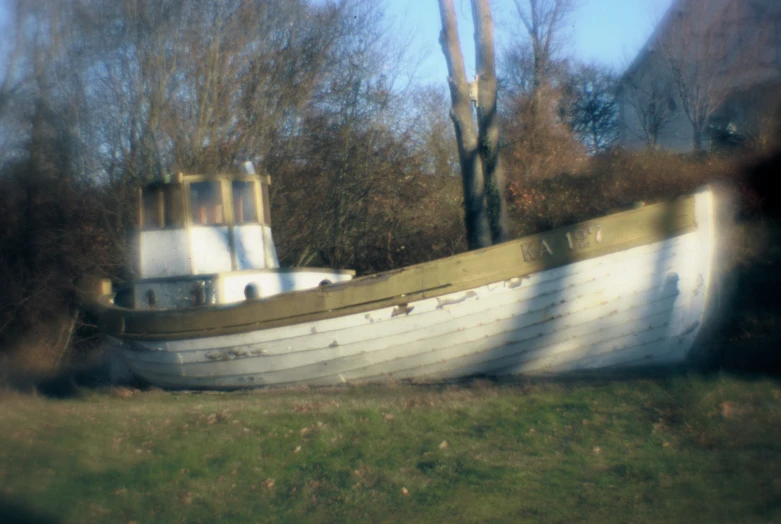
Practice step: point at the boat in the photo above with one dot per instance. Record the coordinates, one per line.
(212, 309)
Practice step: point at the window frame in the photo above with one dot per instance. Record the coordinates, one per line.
(227, 217)
(164, 219)
(253, 188)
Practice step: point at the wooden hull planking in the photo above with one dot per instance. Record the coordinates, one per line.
(614, 309)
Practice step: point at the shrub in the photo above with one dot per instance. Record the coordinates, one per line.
(51, 232)
(615, 181)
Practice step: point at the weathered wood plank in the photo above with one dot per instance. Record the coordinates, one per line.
(512, 259)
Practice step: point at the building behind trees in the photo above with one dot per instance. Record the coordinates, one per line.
(707, 78)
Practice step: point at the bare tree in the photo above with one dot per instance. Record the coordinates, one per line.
(591, 110)
(350, 151)
(714, 48)
(48, 235)
(517, 72)
(11, 49)
(488, 119)
(652, 103)
(534, 79)
(478, 146)
(476, 218)
(432, 131)
(544, 20)
(16, 93)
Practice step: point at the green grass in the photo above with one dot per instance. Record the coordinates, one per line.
(688, 449)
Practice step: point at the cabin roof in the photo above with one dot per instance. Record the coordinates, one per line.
(181, 177)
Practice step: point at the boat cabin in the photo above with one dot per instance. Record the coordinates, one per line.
(193, 224)
(206, 240)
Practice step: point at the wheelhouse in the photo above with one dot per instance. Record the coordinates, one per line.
(193, 224)
(206, 240)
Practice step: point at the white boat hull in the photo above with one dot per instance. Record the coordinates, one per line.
(642, 306)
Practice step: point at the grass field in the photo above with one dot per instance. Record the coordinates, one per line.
(689, 448)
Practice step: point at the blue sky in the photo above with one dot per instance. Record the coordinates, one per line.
(608, 32)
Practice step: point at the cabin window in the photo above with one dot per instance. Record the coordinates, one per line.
(206, 203)
(266, 204)
(173, 208)
(244, 209)
(151, 216)
(162, 207)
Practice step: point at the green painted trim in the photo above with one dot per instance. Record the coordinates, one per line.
(516, 258)
(214, 276)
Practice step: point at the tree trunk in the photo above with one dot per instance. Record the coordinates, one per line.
(475, 215)
(696, 139)
(487, 118)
